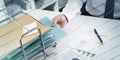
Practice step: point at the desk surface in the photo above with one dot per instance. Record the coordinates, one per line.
(82, 37)
(10, 34)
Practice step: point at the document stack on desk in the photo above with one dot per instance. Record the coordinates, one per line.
(10, 34)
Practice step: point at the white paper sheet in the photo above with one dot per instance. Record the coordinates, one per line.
(29, 27)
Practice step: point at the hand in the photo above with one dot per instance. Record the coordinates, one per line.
(60, 20)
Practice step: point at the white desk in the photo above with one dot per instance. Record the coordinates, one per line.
(81, 36)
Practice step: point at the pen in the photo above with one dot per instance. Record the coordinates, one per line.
(98, 36)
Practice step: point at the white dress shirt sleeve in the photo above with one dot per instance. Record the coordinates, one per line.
(72, 7)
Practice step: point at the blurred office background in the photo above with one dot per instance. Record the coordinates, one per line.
(14, 8)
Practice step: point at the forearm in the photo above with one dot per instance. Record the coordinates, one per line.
(72, 7)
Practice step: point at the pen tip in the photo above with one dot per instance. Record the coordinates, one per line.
(100, 43)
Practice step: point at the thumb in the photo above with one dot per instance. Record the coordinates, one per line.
(54, 22)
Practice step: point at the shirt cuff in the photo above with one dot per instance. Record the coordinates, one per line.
(68, 16)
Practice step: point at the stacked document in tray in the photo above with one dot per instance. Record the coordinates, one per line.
(11, 33)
